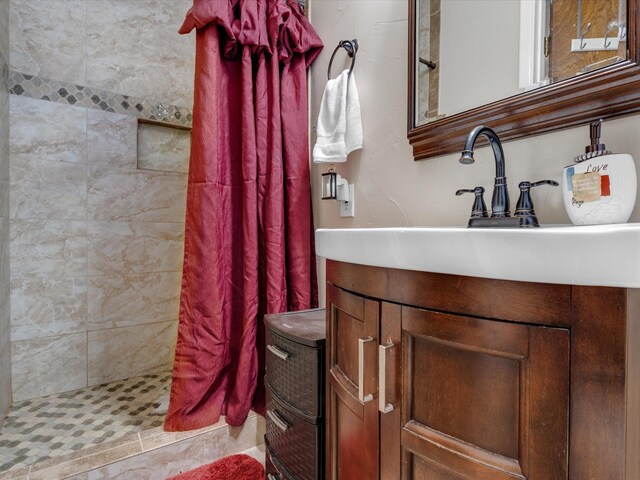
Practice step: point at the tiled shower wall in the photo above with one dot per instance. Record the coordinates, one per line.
(5, 352)
(96, 236)
(429, 48)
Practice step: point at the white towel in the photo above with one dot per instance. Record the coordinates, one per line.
(339, 130)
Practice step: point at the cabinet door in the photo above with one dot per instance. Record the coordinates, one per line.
(483, 399)
(352, 413)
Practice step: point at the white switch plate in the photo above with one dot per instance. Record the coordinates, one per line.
(347, 209)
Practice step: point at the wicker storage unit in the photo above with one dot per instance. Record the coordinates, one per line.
(295, 395)
(274, 470)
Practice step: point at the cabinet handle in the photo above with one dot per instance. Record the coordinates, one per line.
(278, 352)
(361, 395)
(383, 406)
(280, 423)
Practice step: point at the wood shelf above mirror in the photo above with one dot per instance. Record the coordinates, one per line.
(606, 92)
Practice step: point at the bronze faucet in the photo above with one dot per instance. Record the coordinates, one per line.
(524, 215)
(500, 199)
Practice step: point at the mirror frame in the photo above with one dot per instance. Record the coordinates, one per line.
(604, 93)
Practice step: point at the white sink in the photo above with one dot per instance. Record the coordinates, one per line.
(605, 255)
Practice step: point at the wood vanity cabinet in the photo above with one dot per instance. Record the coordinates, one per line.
(444, 377)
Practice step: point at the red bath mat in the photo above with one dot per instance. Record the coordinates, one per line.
(236, 467)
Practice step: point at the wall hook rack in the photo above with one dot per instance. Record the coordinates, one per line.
(608, 43)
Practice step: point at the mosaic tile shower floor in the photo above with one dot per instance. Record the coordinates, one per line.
(64, 423)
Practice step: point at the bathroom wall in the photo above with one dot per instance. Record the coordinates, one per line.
(393, 190)
(5, 352)
(96, 237)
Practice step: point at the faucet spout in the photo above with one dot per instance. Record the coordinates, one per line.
(500, 198)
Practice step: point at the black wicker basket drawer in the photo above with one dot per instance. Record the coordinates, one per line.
(293, 372)
(293, 441)
(274, 470)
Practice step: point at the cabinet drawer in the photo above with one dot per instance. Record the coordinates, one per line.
(293, 373)
(293, 442)
(274, 469)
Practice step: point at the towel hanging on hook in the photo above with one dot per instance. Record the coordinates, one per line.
(339, 127)
(351, 46)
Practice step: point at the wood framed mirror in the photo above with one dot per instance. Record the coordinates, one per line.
(605, 92)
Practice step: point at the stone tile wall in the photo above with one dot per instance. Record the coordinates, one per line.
(126, 47)
(5, 360)
(96, 241)
(428, 89)
(160, 148)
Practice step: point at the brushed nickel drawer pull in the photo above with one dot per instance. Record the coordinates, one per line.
(278, 352)
(383, 406)
(361, 395)
(275, 418)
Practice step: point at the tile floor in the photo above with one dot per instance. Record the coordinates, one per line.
(64, 423)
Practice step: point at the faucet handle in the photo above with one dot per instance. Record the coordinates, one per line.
(479, 208)
(553, 183)
(524, 207)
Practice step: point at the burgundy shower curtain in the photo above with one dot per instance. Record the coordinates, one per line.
(249, 231)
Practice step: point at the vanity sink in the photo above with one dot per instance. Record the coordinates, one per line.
(596, 255)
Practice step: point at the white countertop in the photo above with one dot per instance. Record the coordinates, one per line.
(604, 255)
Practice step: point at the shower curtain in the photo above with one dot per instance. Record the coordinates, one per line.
(249, 231)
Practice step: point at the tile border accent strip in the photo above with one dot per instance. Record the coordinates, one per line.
(89, 97)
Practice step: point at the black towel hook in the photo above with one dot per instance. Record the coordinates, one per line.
(351, 46)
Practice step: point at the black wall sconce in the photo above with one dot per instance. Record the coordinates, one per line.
(335, 187)
(331, 183)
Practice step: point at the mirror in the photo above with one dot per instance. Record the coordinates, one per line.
(523, 67)
(494, 49)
